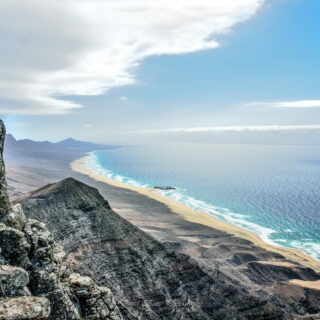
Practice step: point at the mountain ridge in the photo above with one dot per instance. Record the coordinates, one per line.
(29, 153)
(66, 143)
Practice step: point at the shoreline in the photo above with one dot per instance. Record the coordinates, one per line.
(81, 166)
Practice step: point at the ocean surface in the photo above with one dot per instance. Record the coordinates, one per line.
(273, 190)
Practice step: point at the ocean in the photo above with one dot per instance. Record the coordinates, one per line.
(273, 190)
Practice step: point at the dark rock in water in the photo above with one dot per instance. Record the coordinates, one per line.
(164, 188)
(36, 280)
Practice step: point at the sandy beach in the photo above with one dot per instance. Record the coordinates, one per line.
(201, 218)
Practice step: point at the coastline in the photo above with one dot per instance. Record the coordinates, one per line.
(81, 166)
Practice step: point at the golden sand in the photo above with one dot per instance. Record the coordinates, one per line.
(81, 166)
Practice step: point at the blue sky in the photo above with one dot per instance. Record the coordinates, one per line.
(265, 72)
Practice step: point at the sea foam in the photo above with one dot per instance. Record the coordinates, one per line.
(224, 214)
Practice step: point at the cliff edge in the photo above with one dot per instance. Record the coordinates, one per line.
(36, 280)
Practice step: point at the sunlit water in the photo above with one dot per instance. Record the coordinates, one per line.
(270, 189)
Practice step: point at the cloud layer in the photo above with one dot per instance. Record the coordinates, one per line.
(270, 128)
(55, 49)
(289, 104)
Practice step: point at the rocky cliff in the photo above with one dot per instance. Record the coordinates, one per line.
(4, 198)
(36, 280)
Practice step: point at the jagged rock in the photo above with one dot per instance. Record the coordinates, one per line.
(4, 198)
(64, 304)
(13, 281)
(61, 259)
(24, 308)
(97, 302)
(16, 218)
(71, 297)
(14, 246)
(42, 243)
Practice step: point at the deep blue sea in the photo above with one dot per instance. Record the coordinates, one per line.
(273, 190)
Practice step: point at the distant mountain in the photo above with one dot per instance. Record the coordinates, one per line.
(28, 152)
(72, 144)
(69, 143)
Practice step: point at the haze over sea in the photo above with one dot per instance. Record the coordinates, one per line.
(272, 190)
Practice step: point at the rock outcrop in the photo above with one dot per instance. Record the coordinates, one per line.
(36, 280)
(4, 198)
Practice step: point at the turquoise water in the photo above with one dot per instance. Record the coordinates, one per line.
(273, 190)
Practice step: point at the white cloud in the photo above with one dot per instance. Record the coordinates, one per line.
(88, 125)
(123, 98)
(289, 104)
(269, 128)
(56, 49)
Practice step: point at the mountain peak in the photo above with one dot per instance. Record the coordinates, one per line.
(68, 140)
(9, 136)
(70, 191)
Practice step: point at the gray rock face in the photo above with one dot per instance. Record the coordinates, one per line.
(98, 302)
(14, 247)
(15, 218)
(13, 281)
(22, 308)
(4, 198)
(36, 280)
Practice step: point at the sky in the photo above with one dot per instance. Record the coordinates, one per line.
(131, 71)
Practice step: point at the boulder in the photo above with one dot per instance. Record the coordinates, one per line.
(13, 281)
(16, 218)
(97, 303)
(24, 308)
(14, 247)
